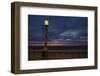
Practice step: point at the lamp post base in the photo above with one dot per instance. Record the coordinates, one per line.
(45, 53)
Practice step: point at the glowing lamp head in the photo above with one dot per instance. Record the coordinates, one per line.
(46, 23)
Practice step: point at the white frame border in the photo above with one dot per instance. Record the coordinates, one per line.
(25, 64)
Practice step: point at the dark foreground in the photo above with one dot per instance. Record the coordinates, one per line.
(54, 52)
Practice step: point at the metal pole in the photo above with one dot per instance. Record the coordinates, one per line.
(45, 49)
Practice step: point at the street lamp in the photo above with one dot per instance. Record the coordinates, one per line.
(46, 23)
(45, 49)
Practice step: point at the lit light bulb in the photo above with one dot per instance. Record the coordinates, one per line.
(46, 22)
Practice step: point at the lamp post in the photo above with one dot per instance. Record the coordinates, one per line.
(45, 49)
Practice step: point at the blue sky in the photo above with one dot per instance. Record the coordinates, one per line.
(61, 28)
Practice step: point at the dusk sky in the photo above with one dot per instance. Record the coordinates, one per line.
(60, 28)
